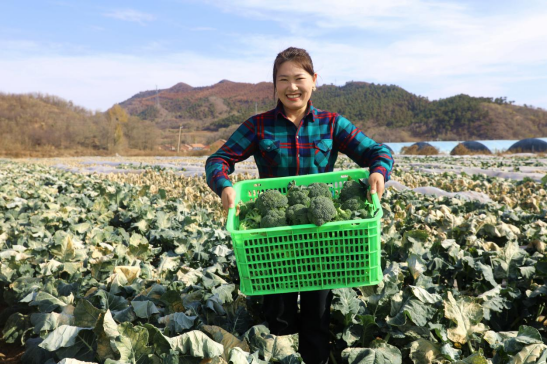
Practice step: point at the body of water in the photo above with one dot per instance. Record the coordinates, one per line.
(499, 145)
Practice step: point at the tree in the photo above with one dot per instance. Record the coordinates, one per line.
(117, 116)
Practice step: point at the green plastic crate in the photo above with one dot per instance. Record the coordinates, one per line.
(306, 257)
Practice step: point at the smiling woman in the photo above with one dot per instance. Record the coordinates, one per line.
(293, 139)
(294, 79)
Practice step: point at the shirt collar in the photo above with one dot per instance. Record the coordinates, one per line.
(311, 110)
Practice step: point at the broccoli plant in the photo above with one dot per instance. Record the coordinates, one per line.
(274, 218)
(352, 190)
(321, 211)
(297, 214)
(319, 189)
(298, 195)
(270, 200)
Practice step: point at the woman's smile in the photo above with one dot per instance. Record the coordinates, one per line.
(293, 97)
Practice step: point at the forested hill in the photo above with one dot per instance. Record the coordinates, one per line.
(387, 112)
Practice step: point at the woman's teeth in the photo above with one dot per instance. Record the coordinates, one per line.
(293, 96)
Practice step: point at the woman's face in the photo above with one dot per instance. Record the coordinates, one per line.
(294, 86)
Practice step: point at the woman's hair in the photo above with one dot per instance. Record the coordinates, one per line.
(296, 55)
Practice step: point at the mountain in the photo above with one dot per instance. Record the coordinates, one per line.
(46, 125)
(386, 112)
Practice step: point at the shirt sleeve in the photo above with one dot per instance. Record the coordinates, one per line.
(364, 151)
(239, 147)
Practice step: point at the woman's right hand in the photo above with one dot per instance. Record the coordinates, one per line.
(228, 198)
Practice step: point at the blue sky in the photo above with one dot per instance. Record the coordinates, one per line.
(98, 53)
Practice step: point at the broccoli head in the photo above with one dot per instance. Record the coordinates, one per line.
(270, 200)
(361, 214)
(254, 215)
(297, 214)
(319, 189)
(352, 204)
(247, 224)
(274, 218)
(298, 195)
(321, 210)
(245, 207)
(251, 220)
(342, 214)
(352, 190)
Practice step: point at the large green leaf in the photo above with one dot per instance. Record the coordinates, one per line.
(271, 347)
(16, 325)
(44, 301)
(63, 336)
(106, 330)
(85, 314)
(132, 344)
(178, 322)
(379, 353)
(407, 306)
(144, 309)
(196, 344)
(345, 301)
(531, 354)
(50, 321)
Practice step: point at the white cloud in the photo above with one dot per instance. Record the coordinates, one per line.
(435, 49)
(98, 82)
(372, 15)
(131, 15)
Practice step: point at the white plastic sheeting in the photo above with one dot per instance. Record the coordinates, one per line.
(430, 190)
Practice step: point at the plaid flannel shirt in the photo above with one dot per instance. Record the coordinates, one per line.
(280, 148)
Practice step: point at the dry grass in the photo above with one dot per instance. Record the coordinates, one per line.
(461, 150)
(424, 151)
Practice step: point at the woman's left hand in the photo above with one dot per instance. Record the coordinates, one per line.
(376, 181)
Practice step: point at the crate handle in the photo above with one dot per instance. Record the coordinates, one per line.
(375, 203)
(231, 219)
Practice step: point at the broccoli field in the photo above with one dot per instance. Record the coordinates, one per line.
(138, 268)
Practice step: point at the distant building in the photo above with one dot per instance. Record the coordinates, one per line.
(198, 146)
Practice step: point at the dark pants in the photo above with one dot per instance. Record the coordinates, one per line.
(312, 323)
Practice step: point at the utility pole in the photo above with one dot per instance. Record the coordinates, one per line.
(157, 97)
(256, 108)
(178, 147)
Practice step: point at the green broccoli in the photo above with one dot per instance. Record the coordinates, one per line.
(321, 211)
(270, 200)
(298, 195)
(319, 189)
(247, 224)
(297, 214)
(251, 220)
(361, 214)
(254, 215)
(343, 214)
(352, 190)
(274, 218)
(353, 204)
(245, 207)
